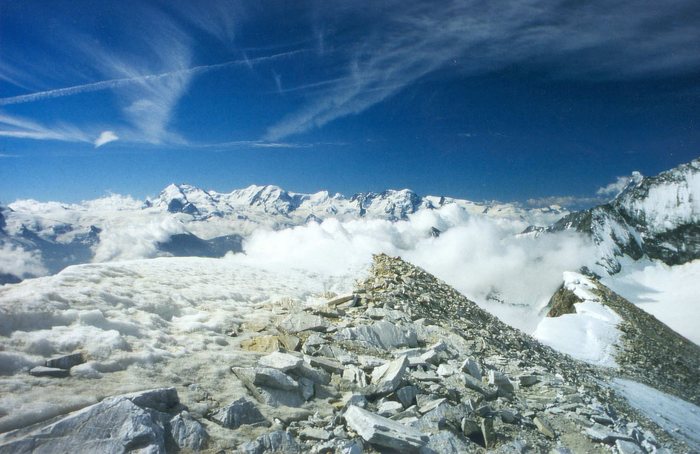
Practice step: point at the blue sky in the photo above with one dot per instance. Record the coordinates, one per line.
(512, 101)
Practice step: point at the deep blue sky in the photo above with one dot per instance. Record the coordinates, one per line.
(509, 101)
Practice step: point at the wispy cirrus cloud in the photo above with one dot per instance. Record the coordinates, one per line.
(410, 40)
(23, 128)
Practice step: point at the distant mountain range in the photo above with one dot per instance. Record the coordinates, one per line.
(655, 217)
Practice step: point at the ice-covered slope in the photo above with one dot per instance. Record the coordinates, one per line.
(657, 217)
(591, 322)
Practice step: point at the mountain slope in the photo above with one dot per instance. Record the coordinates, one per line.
(656, 217)
(254, 360)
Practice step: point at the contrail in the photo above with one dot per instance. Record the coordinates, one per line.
(116, 83)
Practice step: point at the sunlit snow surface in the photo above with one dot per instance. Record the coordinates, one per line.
(671, 294)
(681, 419)
(165, 319)
(590, 334)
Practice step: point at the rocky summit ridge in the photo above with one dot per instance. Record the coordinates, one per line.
(403, 364)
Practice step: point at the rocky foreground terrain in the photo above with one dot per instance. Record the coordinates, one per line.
(405, 363)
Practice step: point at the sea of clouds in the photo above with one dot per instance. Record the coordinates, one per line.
(486, 259)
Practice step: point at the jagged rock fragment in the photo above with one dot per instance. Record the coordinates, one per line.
(116, 423)
(470, 367)
(384, 432)
(387, 378)
(544, 427)
(239, 412)
(278, 441)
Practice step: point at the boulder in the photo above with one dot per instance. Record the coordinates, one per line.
(127, 422)
(239, 412)
(187, 432)
(384, 432)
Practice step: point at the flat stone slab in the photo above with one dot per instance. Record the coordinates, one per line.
(54, 372)
(381, 335)
(66, 361)
(384, 432)
(281, 361)
(296, 323)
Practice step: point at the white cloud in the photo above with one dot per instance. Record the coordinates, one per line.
(105, 137)
(18, 262)
(22, 128)
(615, 187)
(480, 257)
(119, 241)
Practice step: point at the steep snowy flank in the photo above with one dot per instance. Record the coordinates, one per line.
(589, 331)
(591, 322)
(657, 217)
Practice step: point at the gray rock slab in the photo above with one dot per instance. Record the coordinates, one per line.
(278, 441)
(281, 361)
(501, 381)
(407, 395)
(445, 442)
(239, 412)
(53, 372)
(116, 424)
(628, 447)
(528, 380)
(387, 378)
(187, 432)
(315, 375)
(470, 367)
(298, 322)
(354, 374)
(66, 361)
(603, 434)
(389, 408)
(266, 376)
(314, 433)
(544, 427)
(381, 335)
(329, 365)
(384, 432)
